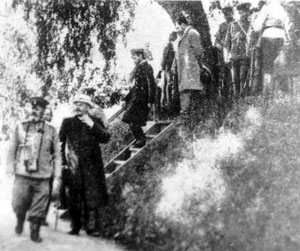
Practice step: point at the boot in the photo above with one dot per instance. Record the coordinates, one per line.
(35, 225)
(91, 226)
(45, 223)
(20, 223)
(140, 143)
(75, 216)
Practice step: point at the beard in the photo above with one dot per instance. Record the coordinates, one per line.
(35, 118)
(79, 112)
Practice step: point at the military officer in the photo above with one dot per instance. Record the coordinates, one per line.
(33, 154)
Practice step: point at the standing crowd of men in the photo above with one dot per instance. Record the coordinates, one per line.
(250, 45)
(39, 156)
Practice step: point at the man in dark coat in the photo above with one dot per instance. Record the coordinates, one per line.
(141, 96)
(81, 155)
(168, 87)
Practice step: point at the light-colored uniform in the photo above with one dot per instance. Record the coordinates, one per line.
(33, 153)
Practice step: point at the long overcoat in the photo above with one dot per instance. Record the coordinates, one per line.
(140, 95)
(81, 153)
(188, 57)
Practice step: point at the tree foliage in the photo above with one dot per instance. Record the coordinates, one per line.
(67, 31)
(17, 77)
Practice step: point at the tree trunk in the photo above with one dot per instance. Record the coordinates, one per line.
(174, 9)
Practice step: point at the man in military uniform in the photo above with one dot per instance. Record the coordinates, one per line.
(33, 154)
(225, 73)
(140, 97)
(235, 48)
(221, 34)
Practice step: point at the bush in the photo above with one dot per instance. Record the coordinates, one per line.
(235, 189)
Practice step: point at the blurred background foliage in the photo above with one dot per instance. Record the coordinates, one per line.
(66, 32)
(48, 47)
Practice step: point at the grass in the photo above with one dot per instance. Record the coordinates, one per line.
(233, 189)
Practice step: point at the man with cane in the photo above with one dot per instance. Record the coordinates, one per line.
(80, 136)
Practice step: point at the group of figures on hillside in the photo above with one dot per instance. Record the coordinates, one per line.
(39, 157)
(254, 52)
(258, 50)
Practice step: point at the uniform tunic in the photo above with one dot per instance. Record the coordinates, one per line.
(235, 44)
(34, 146)
(141, 94)
(221, 35)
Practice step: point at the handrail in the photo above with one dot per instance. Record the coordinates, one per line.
(117, 114)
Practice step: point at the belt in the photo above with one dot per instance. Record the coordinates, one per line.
(278, 27)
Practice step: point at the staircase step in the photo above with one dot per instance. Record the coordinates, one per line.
(156, 133)
(119, 162)
(150, 136)
(134, 149)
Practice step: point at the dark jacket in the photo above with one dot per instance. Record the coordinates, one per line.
(221, 35)
(141, 94)
(168, 57)
(236, 39)
(81, 152)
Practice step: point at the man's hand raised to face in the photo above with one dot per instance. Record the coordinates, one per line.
(86, 119)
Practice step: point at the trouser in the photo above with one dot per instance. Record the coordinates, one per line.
(227, 88)
(50, 194)
(168, 89)
(256, 74)
(157, 103)
(30, 195)
(92, 217)
(239, 71)
(193, 105)
(80, 212)
(137, 131)
(191, 101)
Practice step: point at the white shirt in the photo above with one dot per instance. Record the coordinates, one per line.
(272, 10)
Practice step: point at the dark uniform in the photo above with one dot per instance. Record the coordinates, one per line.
(225, 79)
(140, 95)
(221, 35)
(235, 44)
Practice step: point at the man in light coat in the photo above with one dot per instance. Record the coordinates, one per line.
(188, 61)
(33, 154)
(270, 25)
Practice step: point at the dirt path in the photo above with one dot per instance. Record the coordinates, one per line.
(52, 240)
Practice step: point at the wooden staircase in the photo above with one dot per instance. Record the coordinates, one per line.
(156, 133)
